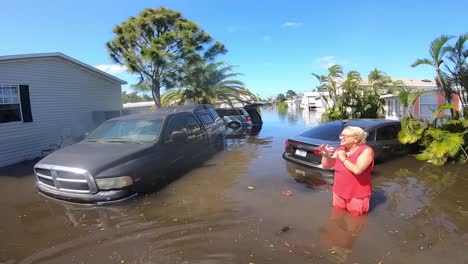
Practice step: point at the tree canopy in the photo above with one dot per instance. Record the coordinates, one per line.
(157, 44)
(209, 83)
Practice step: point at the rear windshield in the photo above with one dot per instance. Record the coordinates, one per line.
(228, 112)
(327, 131)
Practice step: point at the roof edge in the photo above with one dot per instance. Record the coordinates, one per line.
(64, 57)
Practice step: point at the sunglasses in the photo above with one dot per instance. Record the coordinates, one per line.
(346, 136)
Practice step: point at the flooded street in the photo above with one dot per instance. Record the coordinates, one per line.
(210, 215)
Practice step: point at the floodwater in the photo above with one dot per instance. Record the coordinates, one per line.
(234, 209)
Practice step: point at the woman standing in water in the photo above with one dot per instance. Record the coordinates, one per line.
(353, 162)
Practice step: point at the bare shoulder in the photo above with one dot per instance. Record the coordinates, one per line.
(368, 150)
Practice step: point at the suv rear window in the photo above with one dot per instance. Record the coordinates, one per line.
(328, 131)
(228, 112)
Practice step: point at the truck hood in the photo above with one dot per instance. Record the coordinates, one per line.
(94, 157)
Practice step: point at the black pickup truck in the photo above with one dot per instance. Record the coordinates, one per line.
(124, 155)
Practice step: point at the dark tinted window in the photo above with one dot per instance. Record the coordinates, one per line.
(371, 136)
(213, 112)
(176, 124)
(328, 131)
(387, 132)
(206, 118)
(192, 124)
(255, 116)
(228, 112)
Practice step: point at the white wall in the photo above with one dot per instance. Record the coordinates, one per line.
(63, 97)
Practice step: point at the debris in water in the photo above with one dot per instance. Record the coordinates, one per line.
(250, 187)
(284, 229)
(287, 193)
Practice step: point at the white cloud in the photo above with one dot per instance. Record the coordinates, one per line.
(112, 68)
(266, 38)
(325, 62)
(291, 24)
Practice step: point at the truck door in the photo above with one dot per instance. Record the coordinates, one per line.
(175, 150)
(197, 139)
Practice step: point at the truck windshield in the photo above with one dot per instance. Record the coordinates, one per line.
(127, 130)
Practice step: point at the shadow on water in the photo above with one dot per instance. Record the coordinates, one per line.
(22, 169)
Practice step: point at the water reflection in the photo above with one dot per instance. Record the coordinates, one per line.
(312, 178)
(339, 234)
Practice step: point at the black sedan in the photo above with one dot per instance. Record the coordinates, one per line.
(383, 138)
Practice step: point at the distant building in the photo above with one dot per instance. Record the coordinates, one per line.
(294, 102)
(50, 99)
(428, 102)
(313, 101)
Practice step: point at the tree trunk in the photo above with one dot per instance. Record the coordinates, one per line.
(447, 90)
(156, 92)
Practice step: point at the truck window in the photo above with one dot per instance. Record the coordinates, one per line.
(206, 119)
(176, 124)
(213, 113)
(192, 124)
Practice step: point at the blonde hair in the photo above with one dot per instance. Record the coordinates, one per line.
(357, 132)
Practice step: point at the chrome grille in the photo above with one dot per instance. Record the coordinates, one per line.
(65, 178)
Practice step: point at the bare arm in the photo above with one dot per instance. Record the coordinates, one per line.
(328, 162)
(362, 163)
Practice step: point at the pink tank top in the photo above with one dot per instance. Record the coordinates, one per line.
(348, 185)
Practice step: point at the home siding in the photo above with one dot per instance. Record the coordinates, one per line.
(63, 97)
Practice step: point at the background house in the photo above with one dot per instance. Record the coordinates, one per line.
(51, 99)
(313, 101)
(429, 101)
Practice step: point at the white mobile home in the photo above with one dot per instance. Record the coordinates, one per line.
(50, 99)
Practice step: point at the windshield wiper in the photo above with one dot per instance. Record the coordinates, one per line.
(119, 140)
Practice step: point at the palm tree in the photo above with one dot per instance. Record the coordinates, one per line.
(407, 98)
(208, 83)
(437, 50)
(459, 72)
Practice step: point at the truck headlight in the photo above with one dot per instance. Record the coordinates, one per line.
(114, 183)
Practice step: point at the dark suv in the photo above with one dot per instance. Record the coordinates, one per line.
(126, 154)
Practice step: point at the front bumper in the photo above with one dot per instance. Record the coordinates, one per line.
(316, 167)
(99, 197)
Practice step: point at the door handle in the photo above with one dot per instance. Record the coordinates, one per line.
(386, 147)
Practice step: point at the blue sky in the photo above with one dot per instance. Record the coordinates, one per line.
(275, 44)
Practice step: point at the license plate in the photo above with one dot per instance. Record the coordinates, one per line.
(300, 172)
(301, 153)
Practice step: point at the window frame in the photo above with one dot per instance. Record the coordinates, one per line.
(17, 86)
(167, 132)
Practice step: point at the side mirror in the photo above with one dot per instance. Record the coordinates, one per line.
(178, 136)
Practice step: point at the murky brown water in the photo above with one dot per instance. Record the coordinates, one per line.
(419, 214)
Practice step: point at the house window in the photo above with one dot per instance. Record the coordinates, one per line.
(428, 105)
(10, 104)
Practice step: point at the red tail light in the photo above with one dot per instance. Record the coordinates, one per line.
(318, 152)
(286, 144)
(248, 119)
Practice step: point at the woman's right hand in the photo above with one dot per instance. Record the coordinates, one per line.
(326, 149)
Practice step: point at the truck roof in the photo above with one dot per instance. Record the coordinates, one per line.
(164, 112)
